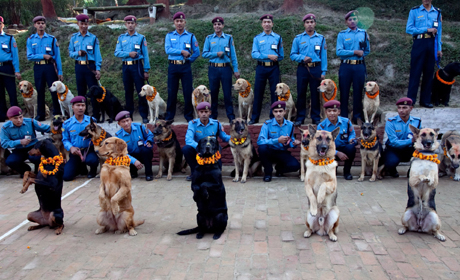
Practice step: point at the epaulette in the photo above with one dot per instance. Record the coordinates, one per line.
(67, 121)
(415, 7)
(437, 9)
(417, 118)
(193, 121)
(299, 35)
(268, 121)
(171, 32)
(118, 132)
(343, 31)
(75, 34)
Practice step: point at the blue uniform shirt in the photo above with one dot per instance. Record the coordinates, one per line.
(132, 139)
(397, 131)
(9, 50)
(88, 43)
(37, 47)
(196, 131)
(11, 135)
(135, 43)
(346, 127)
(271, 131)
(420, 20)
(72, 128)
(214, 44)
(314, 47)
(175, 43)
(264, 45)
(348, 42)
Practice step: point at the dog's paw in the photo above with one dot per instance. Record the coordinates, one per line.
(216, 236)
(236, 179)
(302, 179)
(372, 179)
(379, 177)
(457, 177)
(307, 233)
(440, 237)
(402, 230)
(59, 230)
(332, 237)
(243, 180)
(23, 190)
(313, 212)
(101, 230)
(169, 178)
(361, 178)
(132, 232)
(199, 235)
(158, 176)
(115, 209)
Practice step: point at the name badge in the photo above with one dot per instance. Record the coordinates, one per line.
(140, 143)
(274, 47)
(48, 49)
(89, 47)
(317, 48)
(435, 24)
(27, 137)
(137, 47)
(227, 49)
(4, 46)
(187, 46)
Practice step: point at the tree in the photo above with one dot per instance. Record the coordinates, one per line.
(15, 11)
(48, 10)
(292, 6)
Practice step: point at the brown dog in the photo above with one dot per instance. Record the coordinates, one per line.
(200, 94)
(328, 91)
(304, 147)
(30, 99)
(245, 98)
(97, 134)
(370, 150)
(116, 213)
(284, 94)
(371, 101)
(56, 135)
(450, 156)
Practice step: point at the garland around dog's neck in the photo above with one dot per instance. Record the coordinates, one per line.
(321, 162)
(246, 92)
(101, 138)
(372, 96)
(63, 96)
(118, 161)
(306, 147)
(286, 96)
(237, 141)
(100, 100)
(28, 95)
(334, 95)
(166, 139)
(420, 155)
(56, 161)
(208, 160)
(368, 145)
(442, 81)
(59, 131)
(150, 98)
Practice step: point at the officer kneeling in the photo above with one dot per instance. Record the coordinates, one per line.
(276, 136)
(139, 142)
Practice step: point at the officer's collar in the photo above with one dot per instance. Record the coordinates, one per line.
(135, 33)
(398, 118)
(349, 29)
(87, 33)
(328, 122)
(275, 122)
(177, 33)
(86, 118)
(423, 8)
(125, 133)
(211, 121)
(271, 33)
(314, 34)
(215, 35)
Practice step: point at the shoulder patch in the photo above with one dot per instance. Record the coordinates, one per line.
(97, 41)
(145, 42)
(196, 43)
(57, 44)
(14, 45)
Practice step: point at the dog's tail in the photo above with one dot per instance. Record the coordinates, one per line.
(138, 223)
(188, 231)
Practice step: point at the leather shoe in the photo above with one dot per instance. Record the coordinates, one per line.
(134, 175)
(145, 120)
(91, 175)
(429, 105)
(189, 178)
(252, 122)
(39, 118)
(348, 177)
(148, 178)
(267, 178)
(298, 123)
(279, 174)
(394, 175)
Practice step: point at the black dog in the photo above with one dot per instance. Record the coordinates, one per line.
(208, 192)
(442, 83)
(110, 105)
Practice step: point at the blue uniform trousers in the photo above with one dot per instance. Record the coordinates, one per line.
(303, 79)
(263, 73)
(145, 156)
(85, 80)
(216, 76)
(10, 84)
(190, 157)
(75, 166)
(393, 156)
(348, 74)
(16, 160)
(350, 151)
(421, 61)
(134, 74)
(181, 72)
(284, 161)
(45, 74)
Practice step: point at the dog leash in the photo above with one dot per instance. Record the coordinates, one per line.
(87, 64)
(8, 75)
(311, 75)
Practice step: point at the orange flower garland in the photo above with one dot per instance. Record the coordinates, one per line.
(167, 138)
(323, 94)
(209, 160)
(100, 100)
(237, 141)
(118, 161)
(373, 96)
(56, 161)
(306, 148)
(442, 81)
(63, 96)
(99, 140)
(28, 95)
(150, 98)
(321, 162)
(246, 92)
(368, 145)
(286, 97)
(433, 158)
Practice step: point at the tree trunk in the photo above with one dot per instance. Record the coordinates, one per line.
(48, 10)
(192, 2)
(137, 2)
(15, 11)
(165, 12)
(292, 6)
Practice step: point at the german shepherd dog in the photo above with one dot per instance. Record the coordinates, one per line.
(56, 135)
(109, 103)
(442, 83)
(244, 154)
(420, 214)
(450, 161)
(371, 150)
(304, 147)
(168, 148)
(321, 184)
(97, 135)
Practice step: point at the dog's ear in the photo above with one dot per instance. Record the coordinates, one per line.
(169, 122)
(414, 130)
(301, 130)
(448, 144)
(285, 88)
(436, 130)
(59, 86)
(29, 86)
(121, 147)
(376, 87)
(92, 121)
(335, 132)
(196, 92)
(312, 129)
(360, 122)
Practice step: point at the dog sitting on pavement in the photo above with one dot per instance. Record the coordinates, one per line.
(371, 151)
(442, 83)
(328, 91)
(157, 105)
(450, 155)
(245, 98)
(108, 103)
(29, 94)
(200, 94)
(64, 96)
(371, 101)
(284, 94)
(304, 147)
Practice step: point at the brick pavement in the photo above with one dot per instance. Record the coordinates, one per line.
(264, 238)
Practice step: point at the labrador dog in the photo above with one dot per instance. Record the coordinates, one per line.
(29, 94)
(284, 94)
(442, 83)
(64, 96)
(304, 147)
(321, 184)
(371, 101)
(450, 155)
(117, 212)
(56, 135)
(371, 151)
(328, 92)
(107, 102)
(420, 214)
(200, 94)
(157, 105)
(245, 98)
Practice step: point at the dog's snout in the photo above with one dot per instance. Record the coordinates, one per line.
(455, 165)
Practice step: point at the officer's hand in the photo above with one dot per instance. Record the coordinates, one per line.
(439, 54)
(342, 156)
(352, 141)
(148, 145)
(283, 139)
(219, 54)
(81, 53)
(75, 151)
(146, 75)
(273, 57)
(323, 77)
(61, 78)
(18, 75)
(138, 164)
(98, 75)
(46, 56)
(237, 75)
(185, 53)
(359, 53)
(307, 59)
(432, 31)
(133, 54)
(25, 142)
(296, 142)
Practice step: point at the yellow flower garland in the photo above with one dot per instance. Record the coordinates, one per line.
(118, 161)
(150, 98)
(209, 160)
(286, 97)
(237, 141)
(101, 138)
(103, 96)
(368, 145)
(56, 161)
(321, 162)
(246, 92)
(433, 158)
(63, 96)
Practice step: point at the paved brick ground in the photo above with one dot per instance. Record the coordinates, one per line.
(264, 238)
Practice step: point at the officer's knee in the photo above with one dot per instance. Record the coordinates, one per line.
(263, 149)
(187, 149)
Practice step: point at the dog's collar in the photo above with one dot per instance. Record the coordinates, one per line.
(246, 92)
(442, 81)
(150, 98)
(28, 95)
(237, 141)
(321, 162)
(63, 95)
(323, 94)
(286, 96)
(368, 145)
(208, 160)
(432, 157)
(118, 161)
(100, 100)
(372, 96)
(99, 140)
(56, 161)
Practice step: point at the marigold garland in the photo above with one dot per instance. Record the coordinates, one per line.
(28, 95)
(306, 147)
(196, 100)
(368, 145)
(323, 94)
(56, 161)
(208, 160)
(99, 140)
(321, 162)
(372, 96)
(246, 92)
(118, 161)
(167, 138)
(445, 152)
(59, 131)
(237, 141)
(100, 100)
(433, 158)
(442, 81)
(286, 96)
(150, 98)
(63, 96)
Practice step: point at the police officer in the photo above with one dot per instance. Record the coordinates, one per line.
(81, 152)
(310, 51)
(19, 134)
(84, 48)
(219, 48)
(140, 141)
(425, 26)
(132, 48)
(276, 136)
(267, 49)
(200, 128)
(400, 144)
(352, 47)
(345, 142)
(9, 65)
(43, 50)
(182, 49)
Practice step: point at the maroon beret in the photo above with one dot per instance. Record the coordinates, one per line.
(309, 16)
(218, 19)
(278, 105)
(1, 19)
(122, 115)
(13, 112)
(203, 106)
(351, 13)
(39, 18)
(266, 16)
(82, 18)
(404, 101)
(332, 104)
(78, 99)
(130, 18)
(179, 15)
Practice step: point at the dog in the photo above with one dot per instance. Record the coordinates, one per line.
(304, 147)
(48, 186)
(56, 135)
(4, 169)
(64, 96)
(420, 214)
(200, 94)
(29, 95)
(442, 83)
(371, 101)
(168, 148)
(157, 105)
(321, 184)
(97, 136)
(116, 212)
(108, 103)
(208, 191)
(284, 94)
(244, 154)
(328, 92)
(371, 151)
(245, 98)
(449, 157)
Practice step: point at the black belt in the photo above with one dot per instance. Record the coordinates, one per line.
(131, 62)
(311, 64)
(84, 62)
(219, 64)
(423, 36)
(178, 62)
(352, 61)
(267, 64)
(6, 63)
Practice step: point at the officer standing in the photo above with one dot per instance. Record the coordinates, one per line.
(139, 141)
(182, 49)
(352, 47)
(425, 26)
(219, 48)
(276, 136)
(84, 48)
(400, 144)
(81, 153)
(345, 142)
(200, 128)
(310, 51)
(132, 48)
(9, 65)
(19, 134)
(267, 49)
(43, 50)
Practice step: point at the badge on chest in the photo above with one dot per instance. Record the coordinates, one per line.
(137, 46)
(48, 49)
(188, 46)
(227, 49)
(140, 143)
(4, 46)
(89, 48)
(317, 48)
(274, 47)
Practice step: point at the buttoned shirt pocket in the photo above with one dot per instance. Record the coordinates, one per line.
(5, 46)
(264, 46)
(89, 48)
(348, 42)
(273, 134)
(34, 48)
(174, 43)
(125, 46)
